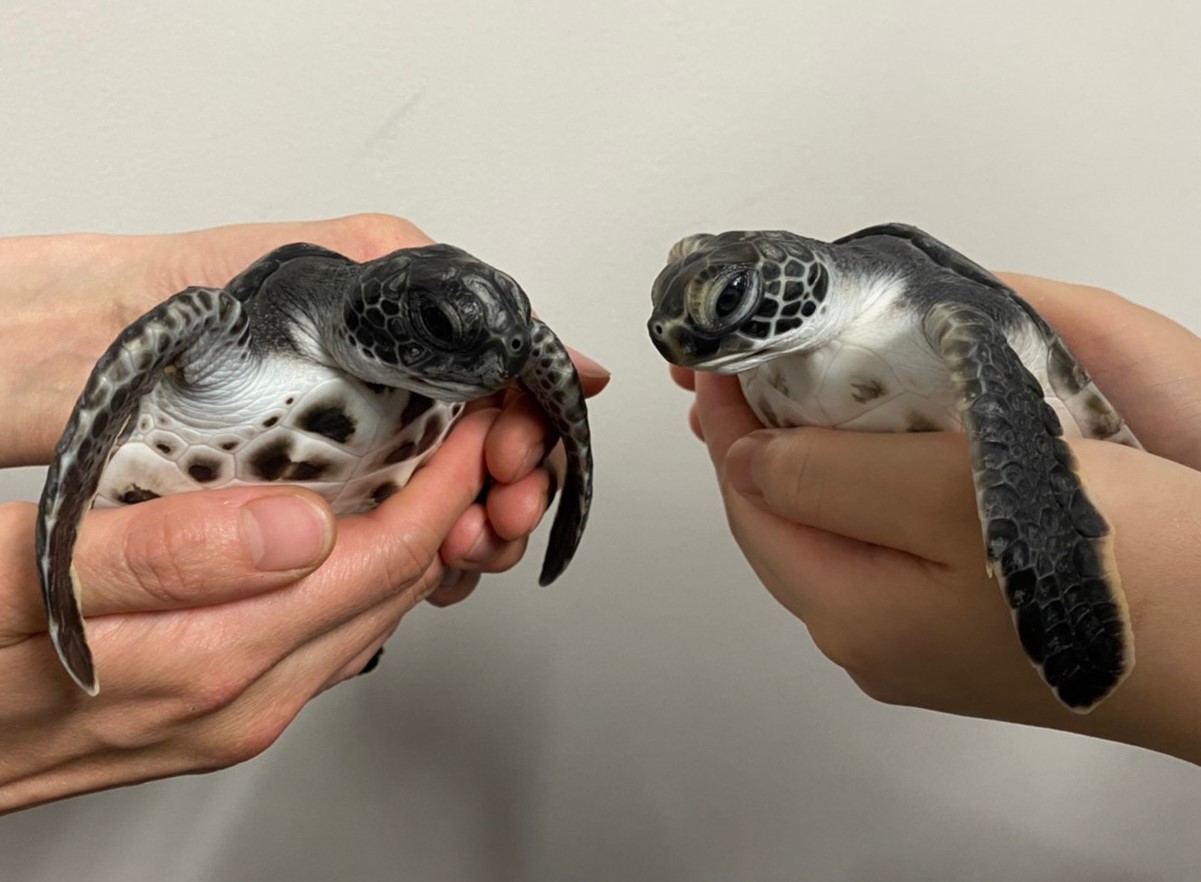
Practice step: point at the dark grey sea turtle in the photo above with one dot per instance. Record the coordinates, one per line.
(890, 330)
(307, 368)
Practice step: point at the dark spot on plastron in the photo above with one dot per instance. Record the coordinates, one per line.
(865, 389)
(918, 422)
(166, 449)
(162, 421)
(307, 470)
(429, 437)
(135, 494)
(271, 461)
(769, 414)
(204, 471)
(270, 421)
(1066, 374)
(289, 400)
(329, 420)
(415, 407)
(229, 445)
(145, 423)
(384, 491)
(1103, 419)
(401, 453)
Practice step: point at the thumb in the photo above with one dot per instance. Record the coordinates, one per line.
(189, 550)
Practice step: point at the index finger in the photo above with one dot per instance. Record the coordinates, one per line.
(723, 415)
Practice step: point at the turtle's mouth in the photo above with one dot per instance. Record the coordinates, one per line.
(680, 345)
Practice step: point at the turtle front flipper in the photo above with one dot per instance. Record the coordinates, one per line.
(131, 367)
(551, 380)
(1049, 546)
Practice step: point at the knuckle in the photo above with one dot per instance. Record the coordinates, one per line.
(407, 563)
(381, 233)
(216, 691)
(243, 740)
(794, 485)
(160, 556)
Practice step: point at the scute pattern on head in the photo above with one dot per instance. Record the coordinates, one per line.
(788, 284)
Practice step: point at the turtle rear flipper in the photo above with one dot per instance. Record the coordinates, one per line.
(1049, 546)
(198, 317)
(551, 380)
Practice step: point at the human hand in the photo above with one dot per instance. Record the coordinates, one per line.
(215, 616)
(874, 540)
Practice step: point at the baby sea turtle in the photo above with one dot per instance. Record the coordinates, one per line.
(307, 368)
(890, 330)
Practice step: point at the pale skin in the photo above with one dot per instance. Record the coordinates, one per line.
(873, 540)
(216, 616)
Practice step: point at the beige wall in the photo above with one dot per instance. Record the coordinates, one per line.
(655, 716)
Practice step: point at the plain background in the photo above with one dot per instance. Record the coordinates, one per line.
(655, 716)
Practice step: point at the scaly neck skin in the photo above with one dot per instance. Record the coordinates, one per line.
(301, 308)
(857, 284)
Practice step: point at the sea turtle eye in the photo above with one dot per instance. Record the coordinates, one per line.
(731, 295)
(725, 303)
(437, 324)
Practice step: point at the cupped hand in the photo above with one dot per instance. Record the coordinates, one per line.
(95, 285)
(215, 616)
(874, 540)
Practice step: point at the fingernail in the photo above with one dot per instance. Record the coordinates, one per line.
(450, 578)
(740, 463)
(588, 367)
(483, 549)
(285, 532)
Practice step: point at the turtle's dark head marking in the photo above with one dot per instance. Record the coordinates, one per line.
(437, 321)
(725, 302)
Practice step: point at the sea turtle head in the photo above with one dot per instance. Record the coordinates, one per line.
(437, 321)
(728, 302)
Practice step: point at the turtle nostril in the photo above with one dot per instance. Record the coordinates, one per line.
(515, 343)
(657, 329)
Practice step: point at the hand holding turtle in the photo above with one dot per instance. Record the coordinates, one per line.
(207, 608)
(872, 540)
